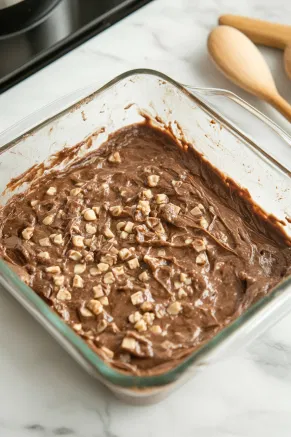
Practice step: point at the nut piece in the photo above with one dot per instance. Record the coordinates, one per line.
(162, 198)
(79, 268)
(75, 191)
(78, 282)
(160, 311)
(144, 207)
(149, 318)
(43, 255)
(199, 245)
(58, 239)
(77, 327)
(153, 180)
(94, 271)
(156, 329)
(108, 259)
(115, 157)
(78, 241)
(108, 352)
(184, 278)
(109, 278)
(74, 255)
(137, 298)
(102, 325)
(146, 194)
(133, 263)
(45, 242)
(103, 267)
(85, 312)
(196, 212)
(116, 210)
(108, 233)
(201, 259)
(124, 235)
(174, 308)
(129, 344)
(104, 300)
(147, 306)
(135, 317)
(120, 225)
(98, 291)
(89, 215)
(141, 326)
(27, 233)
(119, 270)
(59, 280)
(96, 209)
(129, 227)
(51, 191)
(124, 254)
(33, 202)
(95, 306)
(182, 293)
(178, 284)
(203, 223)
(53, 269)
(144, 277)
(48, 220)
(64, 294)
(90, 229)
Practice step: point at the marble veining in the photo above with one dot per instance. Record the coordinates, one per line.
(43, 393)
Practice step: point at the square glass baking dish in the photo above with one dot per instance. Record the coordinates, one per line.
(243, 144)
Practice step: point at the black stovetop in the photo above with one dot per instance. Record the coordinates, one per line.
(69, 24)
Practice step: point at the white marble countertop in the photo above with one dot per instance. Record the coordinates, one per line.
(42, 392)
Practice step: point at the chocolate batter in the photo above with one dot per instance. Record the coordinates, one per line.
(143, 248)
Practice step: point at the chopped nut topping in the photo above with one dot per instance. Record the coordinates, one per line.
(45, 242)
(103, 267)
(144, 207)
(58, 239)
(44, 255)
(196, 212)
(79, 268)
(146, 194)
(108, 233)
(64, 294)
(153, 180)
(156, 329)
(74, 255)
(144, 277)
(137, 298)
(133, 263)
(160, 311)
(90, 229)
(104, 300)
(178, 284)
(124, 254)
(129, 344)
(118, 270)
(78, 282)
(89, 215)
(59, 280)
(174, 308)
(200, 206)
(161, 252)
(33, 202)
(201, 259)
(115, 157)
(51, 191)
(114, 250)
(89, 242)
(109, 278)
(94, 271)
(116, 210)
(75, 191)
(85, 312)
(188, 240)
(182, 293)
(77, 327)
(95, 306)
(109, 259)
(27, 233)
(162, 198)
(141, 326)
(148, 318)
(102, 325)
(48, 220)
(53, 269)
(123, 235)
(108, 352)
(184, 278)
(98, 291)
(129, 227)
(78, 241)
(135, 317)
(203, 223)
(120, 225)
(147, 306)
(199, 245)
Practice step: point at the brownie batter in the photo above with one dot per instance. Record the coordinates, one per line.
(143, 248)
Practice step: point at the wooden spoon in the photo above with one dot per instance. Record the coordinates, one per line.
(265, 33)
(240, 60)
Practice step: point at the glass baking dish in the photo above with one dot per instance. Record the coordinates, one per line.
(232, 135)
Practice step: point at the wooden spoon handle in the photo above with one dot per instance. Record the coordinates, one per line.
(280, 104)
(260, 32)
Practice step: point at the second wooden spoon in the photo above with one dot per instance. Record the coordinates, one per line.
(240, 60)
